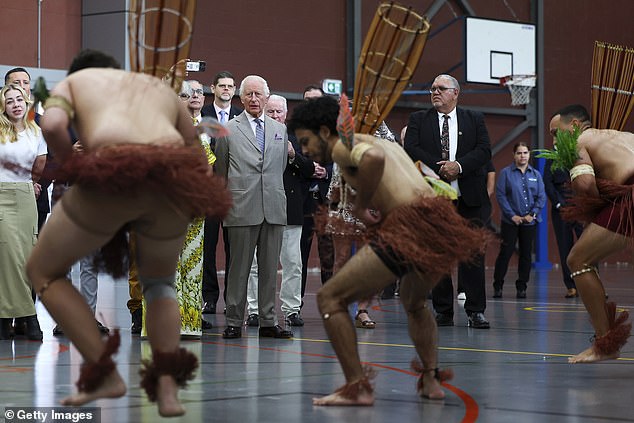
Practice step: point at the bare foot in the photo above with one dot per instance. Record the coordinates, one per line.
(431, 387)
(591, 356)
(112, 387)
(167, 397)
(364, 398)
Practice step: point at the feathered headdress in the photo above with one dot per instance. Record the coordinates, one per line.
(345, 123)
(564, 153)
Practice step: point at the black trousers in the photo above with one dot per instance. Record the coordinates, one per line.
(325, 248)
(210, 289)
(471, 276)
(524, 235)
(565, 233)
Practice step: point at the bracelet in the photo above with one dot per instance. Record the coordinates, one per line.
(582, 169)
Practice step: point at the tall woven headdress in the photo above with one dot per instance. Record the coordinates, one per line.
(612, 85)
(160, 36)
(391, 51)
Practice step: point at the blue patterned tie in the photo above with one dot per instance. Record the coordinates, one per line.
(259, 134)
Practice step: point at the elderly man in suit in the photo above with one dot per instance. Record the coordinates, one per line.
(223, 88)
(455, 143)
(252, 159)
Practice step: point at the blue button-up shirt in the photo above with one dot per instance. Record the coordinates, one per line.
(519, 194)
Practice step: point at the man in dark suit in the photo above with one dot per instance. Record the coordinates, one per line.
(223, 88)
(252, 159)
(455, 143)
(557, 185)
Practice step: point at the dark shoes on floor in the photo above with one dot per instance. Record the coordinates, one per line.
(57, 330)
(478, 321)
(137, 322)
(232, 332)
(497, 293)
(5, 329)
(207, 325)
(294, 320)
(209, 308)
(275, 332)
(444, 319)
(253, 320)
(521, 293)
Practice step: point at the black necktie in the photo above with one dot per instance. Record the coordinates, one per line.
(444, 138)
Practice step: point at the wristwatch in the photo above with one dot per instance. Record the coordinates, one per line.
(534, 215)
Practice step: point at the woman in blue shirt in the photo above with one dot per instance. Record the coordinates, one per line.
(521, 197)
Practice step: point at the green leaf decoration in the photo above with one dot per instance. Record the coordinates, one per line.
(564, 154)
(40, 92)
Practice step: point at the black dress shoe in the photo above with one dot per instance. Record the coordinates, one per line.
(5, 329)
(478, 321)
(33, 331)
(209, 308)
(497, 293)
(232, 332)
(206, 325)
(444, 319)
(275, 332)
(521, 293)
(294, 320)
(253, 320)
(104, 330)
(19, 326)
(137, 322)
(57, 331)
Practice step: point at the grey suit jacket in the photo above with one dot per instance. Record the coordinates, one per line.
(256, 183)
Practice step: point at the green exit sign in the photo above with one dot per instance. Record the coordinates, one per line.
(331, 86)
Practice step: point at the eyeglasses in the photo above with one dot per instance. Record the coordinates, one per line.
(198, 91)
(440, 89)
(184, 96)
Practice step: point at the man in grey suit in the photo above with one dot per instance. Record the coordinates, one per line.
(252, 158)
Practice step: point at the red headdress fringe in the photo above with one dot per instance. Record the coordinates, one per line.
(179, 364)
(92, 375)
(440, 375)
(352, 390)
(617, 336)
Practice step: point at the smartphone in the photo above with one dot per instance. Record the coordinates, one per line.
(196, 66)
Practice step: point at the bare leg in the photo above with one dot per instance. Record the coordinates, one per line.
(60, 245)
(363, 275)
(343, 252)
(422, 330)
(595, 244)
(155, 259)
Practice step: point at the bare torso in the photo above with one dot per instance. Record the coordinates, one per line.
(117, 107)
(401, 182)
(610, 152)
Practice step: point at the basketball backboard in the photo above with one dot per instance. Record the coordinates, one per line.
(494, 49)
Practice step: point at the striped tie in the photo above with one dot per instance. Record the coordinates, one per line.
(259, 134)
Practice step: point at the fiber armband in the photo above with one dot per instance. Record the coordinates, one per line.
(582, 169)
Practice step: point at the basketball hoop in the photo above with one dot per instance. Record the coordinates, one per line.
(520, 87)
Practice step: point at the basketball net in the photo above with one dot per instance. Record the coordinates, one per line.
(520, 87)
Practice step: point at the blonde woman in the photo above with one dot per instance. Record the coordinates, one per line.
(23, 151)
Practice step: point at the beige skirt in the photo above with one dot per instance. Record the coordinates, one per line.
(18, 233)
